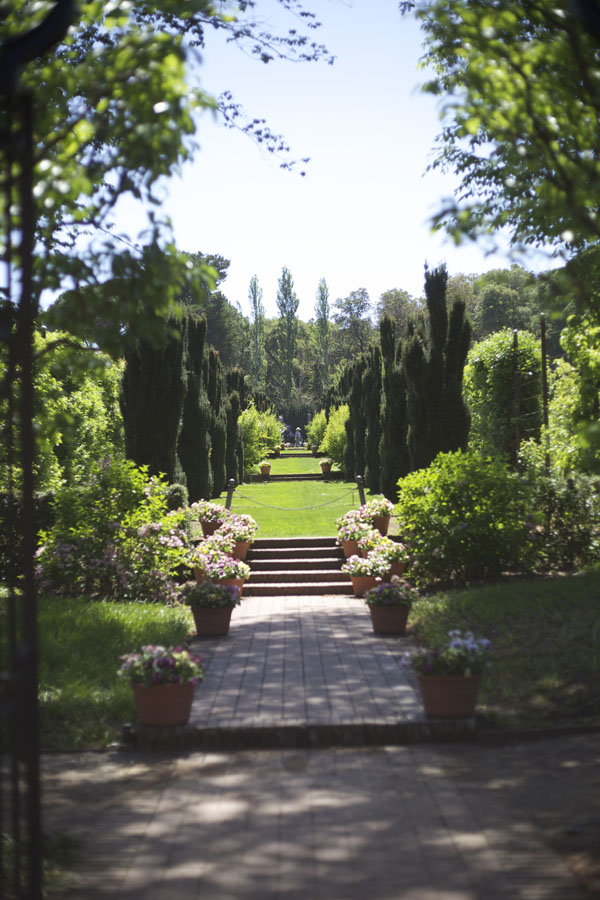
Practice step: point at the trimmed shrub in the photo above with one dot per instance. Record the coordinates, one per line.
(316, 429)
(334, 439)
(466, 517)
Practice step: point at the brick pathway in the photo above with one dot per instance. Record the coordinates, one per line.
(337, 824)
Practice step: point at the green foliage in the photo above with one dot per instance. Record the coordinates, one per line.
(113, 537)
(334, 439)
(371, 400)
(316, 429)
(322, 337)
(581, 340)
(152, 396)
(193, 448)
(393, 449)
(176, 496)
(434, 356)
(257, 333)
(490, 392)
(520, 119)
(233, 463)
(569, 509)
(77, 417)
(261, 432)
(287, 304)
(465, 517)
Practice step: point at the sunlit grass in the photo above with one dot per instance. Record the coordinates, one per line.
(545, 665)
(82, 702)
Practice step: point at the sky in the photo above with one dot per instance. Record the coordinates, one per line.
(359, 218)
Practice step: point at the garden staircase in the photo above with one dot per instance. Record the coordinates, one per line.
(296, 566)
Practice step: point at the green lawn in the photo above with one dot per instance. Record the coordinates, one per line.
(295, 509)
(309, 465)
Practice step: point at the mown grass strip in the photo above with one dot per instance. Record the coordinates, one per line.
(546, 646)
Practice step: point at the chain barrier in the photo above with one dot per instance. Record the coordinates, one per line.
(294, 508)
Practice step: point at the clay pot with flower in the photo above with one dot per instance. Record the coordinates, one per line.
(326, 464)
(378, 512)
(389, 604)
(365, 571)
(350, 528)
(163, 681)
(397, 555)
(211, 515)
(212, 564)
(242, 529)
(449, 675)
(211, 604)
(265, 467)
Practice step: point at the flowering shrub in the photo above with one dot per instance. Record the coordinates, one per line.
(154, 664)
(210, 512)
(463, 654)
(221, 540)
(209, 594)
(326, 461)
(396, 592)
(216, 565)
(264, 462)
(372, 564)
(113, 537)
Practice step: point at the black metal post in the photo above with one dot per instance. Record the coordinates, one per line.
(361, 489)
(230, 490)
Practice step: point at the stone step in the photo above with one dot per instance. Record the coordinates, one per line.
(299, 553)
(296, 588)
(289, 575)
(301, 542)
(323, 563)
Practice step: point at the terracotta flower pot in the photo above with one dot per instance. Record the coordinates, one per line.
(449, 696)
(212, 621)
(362, 583)
(325, 468)
(350, 548)
(389, 619)
(231, 582)
(265, 470)
(241, 549)
(396, 568)
(381, 523)
(209, 528)
(163, 704)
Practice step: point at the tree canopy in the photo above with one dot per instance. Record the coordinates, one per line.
(520, 104)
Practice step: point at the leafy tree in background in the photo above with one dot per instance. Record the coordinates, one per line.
(287, 304)
(353, 323)
(322, 335)
(257, 333)
(399, 306)
(438, 419)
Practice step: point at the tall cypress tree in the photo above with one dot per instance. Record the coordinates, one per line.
(194, 439)
(214, 383)
(371, 399)
(232, 412)
(152, 395)
(354, 459)
(393, 448)
(438, 419)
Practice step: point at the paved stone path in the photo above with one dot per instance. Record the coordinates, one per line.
(296, 661)
(337, 824)
(359, 823)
